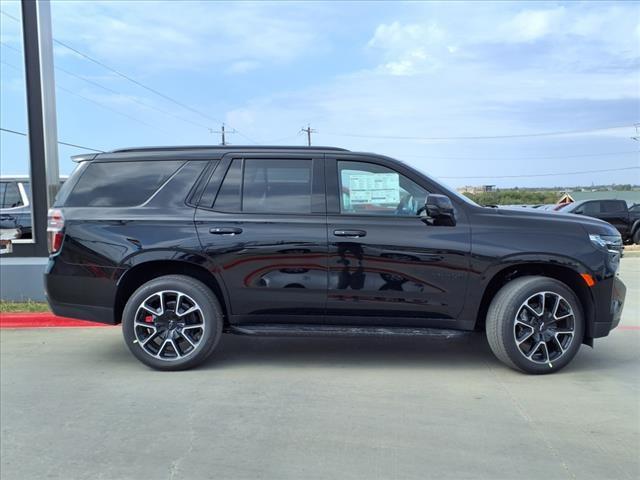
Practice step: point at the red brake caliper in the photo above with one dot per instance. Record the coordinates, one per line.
(148, 319)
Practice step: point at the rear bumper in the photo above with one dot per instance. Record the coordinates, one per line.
(85, 293)
(609, 302)
(82, 312)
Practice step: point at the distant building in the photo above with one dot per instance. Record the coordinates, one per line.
(477, 189)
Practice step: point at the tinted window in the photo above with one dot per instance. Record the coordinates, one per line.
(10, 195)
(277, 186)
(120, 184)
(589, 208)
(614, 206)
(372, 189)
(228, 199)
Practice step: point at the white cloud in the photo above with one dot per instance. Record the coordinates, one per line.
(531, 25)
(242, 66)
(191, 35)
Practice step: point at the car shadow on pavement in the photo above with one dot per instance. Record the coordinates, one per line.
(467, 351)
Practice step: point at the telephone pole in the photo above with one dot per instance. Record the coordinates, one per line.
(222, 133)
(308, 131)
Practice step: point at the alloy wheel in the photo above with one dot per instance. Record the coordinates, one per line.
(169, 325)
(544, 327)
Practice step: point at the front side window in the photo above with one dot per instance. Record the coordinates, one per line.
(590, 208)
(120, 184)
(371, 189)
(266, 186)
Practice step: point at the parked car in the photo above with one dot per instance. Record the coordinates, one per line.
(616, 212)
(15, 207)
(182, 244)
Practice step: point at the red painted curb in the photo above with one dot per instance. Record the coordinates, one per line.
(42, 320)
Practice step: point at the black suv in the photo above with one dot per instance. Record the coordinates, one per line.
(182, 244)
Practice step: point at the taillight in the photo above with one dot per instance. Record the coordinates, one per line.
(55, 227)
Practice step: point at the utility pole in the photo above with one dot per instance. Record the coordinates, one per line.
(308, 131)
(222, 133)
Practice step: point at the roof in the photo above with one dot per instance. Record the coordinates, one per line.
(224, 148)
(195, 152)
(631, 196)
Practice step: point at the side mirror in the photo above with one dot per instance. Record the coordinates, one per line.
(439, 210)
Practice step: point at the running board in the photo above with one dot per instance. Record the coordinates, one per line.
(277, 330)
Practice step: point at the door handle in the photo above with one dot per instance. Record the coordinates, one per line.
(225, 230)
(350, 233)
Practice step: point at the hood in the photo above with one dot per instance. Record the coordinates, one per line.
(590, 224)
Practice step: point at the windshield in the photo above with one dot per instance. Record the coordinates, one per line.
(450, 190)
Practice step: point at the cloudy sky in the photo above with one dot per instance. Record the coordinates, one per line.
(411, 80)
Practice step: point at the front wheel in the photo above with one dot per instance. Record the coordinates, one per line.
(173, 322)
(535, 325)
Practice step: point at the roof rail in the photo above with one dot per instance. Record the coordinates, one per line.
(225, 147)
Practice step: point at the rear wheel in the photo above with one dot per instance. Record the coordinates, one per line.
(535, 324)
(173, 322)
(636, 236)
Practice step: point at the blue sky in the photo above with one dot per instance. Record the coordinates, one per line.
(350, 69)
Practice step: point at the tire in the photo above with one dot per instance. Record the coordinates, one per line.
(636, 236)
(173, 322)
(514, 315)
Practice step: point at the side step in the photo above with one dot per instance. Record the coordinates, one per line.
(300, 330)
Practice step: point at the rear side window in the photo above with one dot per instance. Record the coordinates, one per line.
(120, 184)
(613, 206)
(277, 186)
(266, 186)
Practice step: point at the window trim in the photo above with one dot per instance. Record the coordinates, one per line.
(335, 185)
(318, 206)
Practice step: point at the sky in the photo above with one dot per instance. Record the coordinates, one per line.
(410, 80)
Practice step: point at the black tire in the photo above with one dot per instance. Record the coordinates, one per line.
(209, 315)
(636, 236)
(503, 328)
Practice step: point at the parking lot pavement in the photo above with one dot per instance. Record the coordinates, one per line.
(75, 404)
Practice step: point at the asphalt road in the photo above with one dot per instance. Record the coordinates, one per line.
(75, 404)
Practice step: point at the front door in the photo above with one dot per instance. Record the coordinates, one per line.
(386, 265)
(262, 224)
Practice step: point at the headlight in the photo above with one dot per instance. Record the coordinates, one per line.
(612, 243)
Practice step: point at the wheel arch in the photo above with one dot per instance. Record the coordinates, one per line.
(565, 274)
(142, 272)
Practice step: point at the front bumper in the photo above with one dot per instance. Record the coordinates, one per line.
(608, 302)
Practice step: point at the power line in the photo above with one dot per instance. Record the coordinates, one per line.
(100, 104)
(549, 174)
(61, 143)
(132, 80)
(115, 92)
(486, 137)
(558, 157)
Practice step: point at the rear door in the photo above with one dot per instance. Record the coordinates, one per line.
(387, 266)
(262, 222)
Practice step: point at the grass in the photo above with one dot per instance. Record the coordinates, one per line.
(28, 306)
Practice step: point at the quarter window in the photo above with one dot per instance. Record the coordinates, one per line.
(120, 184)
(371, 189)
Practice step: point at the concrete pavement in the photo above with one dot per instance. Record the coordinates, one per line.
(75, 404)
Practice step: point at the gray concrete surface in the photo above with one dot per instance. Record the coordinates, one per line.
(21, 278)
(76, 405)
